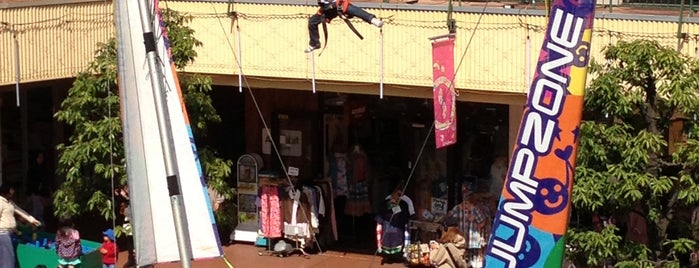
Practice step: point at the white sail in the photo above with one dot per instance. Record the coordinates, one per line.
(152, 217)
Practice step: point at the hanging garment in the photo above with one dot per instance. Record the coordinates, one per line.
(270, 214)
(297, 217)
(310, 193)
(358, 200)
(337, 171)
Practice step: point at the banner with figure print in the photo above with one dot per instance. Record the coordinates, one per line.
(444, 91)
(534, 208)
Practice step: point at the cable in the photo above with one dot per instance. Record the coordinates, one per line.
(269, 134)
(451, 87)
(111, 143)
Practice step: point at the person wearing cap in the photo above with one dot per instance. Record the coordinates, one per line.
(109, 249)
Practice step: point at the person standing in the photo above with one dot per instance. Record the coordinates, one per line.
(470, 221)
(38, 176)
(109, 249)
(8, 225)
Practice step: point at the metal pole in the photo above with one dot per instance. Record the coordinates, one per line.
(240, 61)
(17, 69)
(313, 70)
(610, 6)
(527, 60)
(381, 64)
(680, 35)
(165, 133)
(451, 23)
(691, 8)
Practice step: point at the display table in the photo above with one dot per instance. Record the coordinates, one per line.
(424, 231)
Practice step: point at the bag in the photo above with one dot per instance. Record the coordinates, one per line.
(459, 261)
(68, 248)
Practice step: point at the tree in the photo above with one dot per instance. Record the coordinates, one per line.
(623, 158)
(94, 153)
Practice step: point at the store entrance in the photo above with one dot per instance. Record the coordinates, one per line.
(395, 140)
(381, 139)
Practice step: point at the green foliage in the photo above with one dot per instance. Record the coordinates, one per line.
(623, 157)
(94, 153)
(597, 247)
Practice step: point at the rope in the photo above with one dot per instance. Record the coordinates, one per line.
(267, 130)
(419, 156)
(228, 263)
(111, 143)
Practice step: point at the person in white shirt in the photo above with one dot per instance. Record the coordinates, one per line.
(8, 224)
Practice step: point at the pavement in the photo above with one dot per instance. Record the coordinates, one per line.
(247, 255)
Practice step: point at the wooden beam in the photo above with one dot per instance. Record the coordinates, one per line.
(465, 95)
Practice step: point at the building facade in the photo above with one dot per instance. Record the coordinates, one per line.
(375, 92)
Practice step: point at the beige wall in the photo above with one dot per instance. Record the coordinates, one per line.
(57, 41)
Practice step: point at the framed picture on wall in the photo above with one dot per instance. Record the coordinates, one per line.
(290, 142)
(439, 206)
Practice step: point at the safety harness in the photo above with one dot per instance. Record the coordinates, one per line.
(330, 10)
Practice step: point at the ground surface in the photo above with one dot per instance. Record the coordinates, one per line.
(246, 255)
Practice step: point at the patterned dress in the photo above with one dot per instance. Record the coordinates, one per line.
(270, 214)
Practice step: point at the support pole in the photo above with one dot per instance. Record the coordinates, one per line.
(165, 130)
(451, 23)
(381, 64)
(240, 61)
(313, 70)
(17, 70)
(528, 60)
(680, 35)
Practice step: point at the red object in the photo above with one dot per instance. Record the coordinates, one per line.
(341, 4)
(444, 92)
(109, 252)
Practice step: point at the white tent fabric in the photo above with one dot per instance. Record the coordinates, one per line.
(151, 214)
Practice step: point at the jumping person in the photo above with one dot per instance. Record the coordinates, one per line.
(330, 9)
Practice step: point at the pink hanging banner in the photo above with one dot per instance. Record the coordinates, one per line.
(444, 91)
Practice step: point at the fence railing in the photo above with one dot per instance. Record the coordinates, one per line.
(688, 7)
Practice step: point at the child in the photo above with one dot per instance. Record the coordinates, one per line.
(108, 249)
(68, 245)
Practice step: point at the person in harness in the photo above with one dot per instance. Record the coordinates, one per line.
(330, 9)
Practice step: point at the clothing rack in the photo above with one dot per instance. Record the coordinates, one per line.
(283, 206)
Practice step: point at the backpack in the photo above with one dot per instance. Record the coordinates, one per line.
(68, 247)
